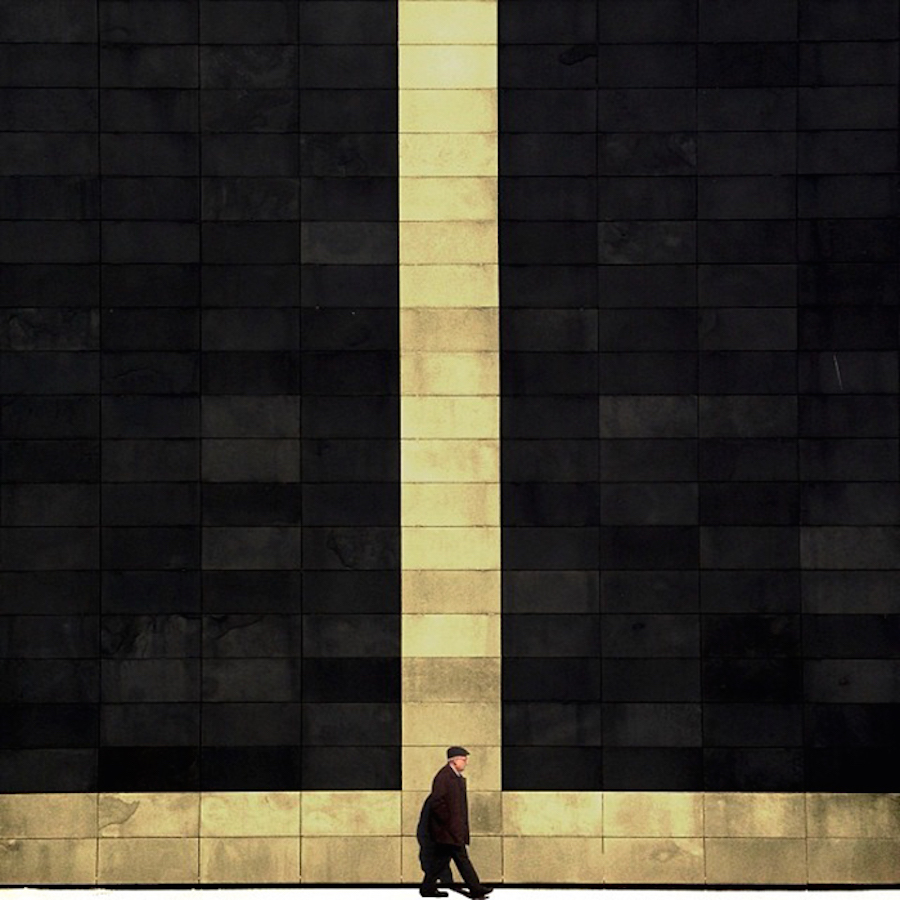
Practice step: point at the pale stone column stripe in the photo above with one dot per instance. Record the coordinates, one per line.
(449, 407)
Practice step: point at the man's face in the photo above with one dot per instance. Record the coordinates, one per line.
(459, 762)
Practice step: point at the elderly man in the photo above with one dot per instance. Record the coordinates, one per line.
(449, 827)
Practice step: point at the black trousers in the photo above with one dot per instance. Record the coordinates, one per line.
(443, 853)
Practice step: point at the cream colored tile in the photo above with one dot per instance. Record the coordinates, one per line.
(148, 860)
(486, 853)
(469, 286)
(467, 418)
(453, 67)
(149, 815)
(653, 860)
(450, 374)
(449, 461)
(350, 812)
(652, 814)
(448, 243)
(552, 860)
(557, 813)
(421, 763)
(755, 860)
(853, 861)
(48, 816)
(445, 680)
(447, 22)
(450, 504)
(754, 815)
(434, 724)
(250, 814)
(443, 111)
(446, 330)
(250, 860)
(474, 547)
(350, 859)
(48, 861)
(439, 155)
(451, 592)
(411, 808)
(448, 199)
(853, 815)
(458, 635)
(485, 812)
(411, 868)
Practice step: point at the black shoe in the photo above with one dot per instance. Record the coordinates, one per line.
(482, 891)
(433, 894)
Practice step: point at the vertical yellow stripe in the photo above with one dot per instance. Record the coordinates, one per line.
(450, 417)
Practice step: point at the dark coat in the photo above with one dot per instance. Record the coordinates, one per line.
(449, 819)
(426, 844)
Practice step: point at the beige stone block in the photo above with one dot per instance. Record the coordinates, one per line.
(755, 860)
(463, 286)
(440, 155)
(350, 859)
(149, 815)
(450, 374)
(410, 867)
(449, 330)
(148, 860)
(450, 461)
(411, 808)
(447, 66)
(558, 813)
(447, 111)
(435, 724)
(853, 815)
(450, 505)
(421, 763)
(448, 243)
(486, 812)
(469, 418)
(250, 860)
(448, 199)
(853, 861)
(48, 861)
(350, 812)
(455, 636)
(48, 816)
(451, 592)
(754, 815)
(552, 860)
(450, 22)
(472, 547)
(652, 814)
(653, 860)
(486, 853)
(444, 680)
(250, 814)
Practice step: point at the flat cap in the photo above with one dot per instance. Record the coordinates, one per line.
(456, 751)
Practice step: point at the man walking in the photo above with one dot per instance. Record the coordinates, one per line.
(448, 824)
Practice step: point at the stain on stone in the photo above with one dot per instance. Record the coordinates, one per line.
(114, 811)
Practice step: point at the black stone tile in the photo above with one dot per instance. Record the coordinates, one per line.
(48, 154)
(552, 769)
(55, 242)
(242, 22)
(150, 373)
(349, 286)
(850, 768)
(350, 417)
(235, 198)
(551, 636)
(250, 155)
(148, 21)
(556, 547)
(150, 417)
(646, 154)
(840, 62)
(652, 725)
(29, 725)
(847, 107)
(49, 593)
(833, 416)
(848, 240)
(349, 243)
(862, 725)
(43, 20)
(538, 373)
(50, 548)
(49, 504)
(652, 768)
(633, 242)
(351, 724)
(48, 681)
(173, 199)
(349, 460)
(149, 110)
(747, 285)
(843, 328)
(50, 461)
(648, 592)
(135, 66)
(647, 330)
(568, 680)
(49, 109)
(356, 768)
(156, 329)
(351, 504)
(151, 285)
(49, 197)
(251, 504)
(151, 548)
(778, 725)
(648, 416)
(549, 504)
(249, 328)
(821, 196)
(757, 503)
(647, 65)
(350, 636)
(49, 329)
(263, 547)
(833, 503)
(361, 66)
(370, 592)
(70, 771)
(754, 197)
(149, 724)
(351, 680)
(748, 416)
(862, 636)
(346, 22)
(258, 285)
(746, 109)
(752, 636)
(348, 155)
(650, 636)
(546, 155)
(251, 724)
(749, 547)
(48, 285)
(746, 65)
(348, 199)
(653, 21)
(556, 111)
(349, 330)
(253, 592)
(734, 372)
(851, 592)
(49, 65)
(249, 67)
(360, 547)
(549, 416)
(742, 20)
(251, 635)
(657, 197)
(151, 460)
(739, 681)
(549, 460)
(846, 152)
(648, 504)
(551, 592)
(748, 459)
(648, 373)
(150, 504)
(251, 680)
(849, 284)
(348, 111)
(655, 680)
(150, 593)
(749, 241)
(647, 109)
(850, 680)
(848, 459)
(548, 287)
(753, 769)
(273, 110)
(653, 459)
(150, 154)
(568, 332)
(556, 724)
(533, 22)
(150, 680)
(250, 768)
(249, 417)
(844, 20)
(547, 66)
(252, 373)
(547, 200)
